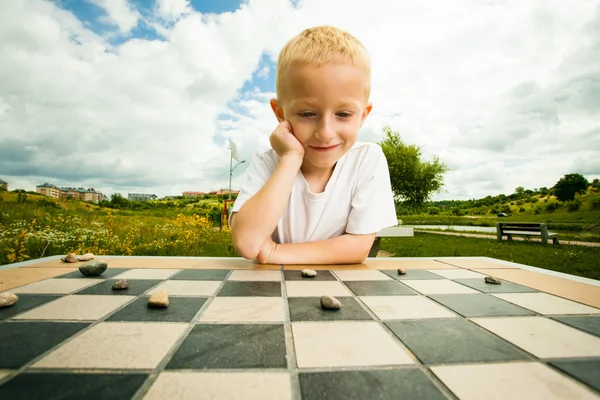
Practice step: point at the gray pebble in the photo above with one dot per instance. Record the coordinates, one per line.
(491, 279)
(121, 284)
(93, 268)
(309, 273)
(330, 303)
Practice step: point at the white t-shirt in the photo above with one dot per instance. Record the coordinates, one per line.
(358, 198)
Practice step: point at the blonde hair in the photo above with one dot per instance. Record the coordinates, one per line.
(318, 46)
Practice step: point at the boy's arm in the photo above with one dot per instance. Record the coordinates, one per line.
(344, 249)
(253, 225)
(255, 221)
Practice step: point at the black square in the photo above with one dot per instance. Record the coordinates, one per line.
(109, 273)
(479, 305)
(296, 275)
(380, 384)
(250, 289)
(201, 275)
(231, 346)
(379, 288)
(587, 323)
(63, 386)
(20, 342)
(136, 287)
(585, 370)
(309, 309)
(452, 340)
(504, 287)
(25, 302)
(411, 274)
(180, 309)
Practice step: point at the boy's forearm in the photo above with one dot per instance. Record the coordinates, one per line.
(255, 222)
(345, 249)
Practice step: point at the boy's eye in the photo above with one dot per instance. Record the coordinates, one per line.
(306, 114)
(344, 114)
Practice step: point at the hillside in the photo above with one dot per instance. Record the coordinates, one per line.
(578, 219)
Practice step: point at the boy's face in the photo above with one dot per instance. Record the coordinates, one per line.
(326, 106)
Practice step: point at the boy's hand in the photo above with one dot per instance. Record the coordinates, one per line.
(284, 142)
(266, 251)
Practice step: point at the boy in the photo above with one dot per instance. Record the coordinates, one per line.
(318, 196)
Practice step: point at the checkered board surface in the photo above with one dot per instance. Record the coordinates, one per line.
(257, 334)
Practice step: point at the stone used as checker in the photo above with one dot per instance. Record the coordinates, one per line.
(7, 299)
(330, 303)
(121, 284)
(309, 273)
(159, 299)
(93, 268)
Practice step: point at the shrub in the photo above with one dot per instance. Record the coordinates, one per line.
(595, 203)
(573, 205)
(520, 203)
(534, 200)
(522, 209)
(434, 211)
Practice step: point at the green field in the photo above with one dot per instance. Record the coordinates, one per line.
(575, 260)
(43, 227)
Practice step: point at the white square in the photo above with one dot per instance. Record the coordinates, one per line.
(547, 304)
(405, 307)
(316, 289)
(457, 273)
(147, 273)
(187, 288)
(255, 275)
(221, 385)
(57, 286)
(346, 344)
(77, 307)
(512, 380)
(238, 309)
(543, 337)
(438, 286)
(362, 275)
(116, 345)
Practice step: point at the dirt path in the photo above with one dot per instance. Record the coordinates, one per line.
(477, 235)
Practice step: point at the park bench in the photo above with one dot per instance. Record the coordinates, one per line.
(389, 232)
(509, 229)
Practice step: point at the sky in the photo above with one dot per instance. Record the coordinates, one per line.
(143, 96)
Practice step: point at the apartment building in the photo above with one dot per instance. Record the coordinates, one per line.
(141, 196)
(50, 190)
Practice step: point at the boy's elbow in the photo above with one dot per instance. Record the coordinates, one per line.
(246, 248)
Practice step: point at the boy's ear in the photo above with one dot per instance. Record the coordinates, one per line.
(365, 113)
(277, 110)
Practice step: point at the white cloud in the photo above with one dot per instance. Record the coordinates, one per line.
(172, 10)
(505, 92)
(119, 12)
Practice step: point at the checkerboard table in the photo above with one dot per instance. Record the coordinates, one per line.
(439, 333)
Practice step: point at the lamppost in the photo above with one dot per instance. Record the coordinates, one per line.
(234, 154)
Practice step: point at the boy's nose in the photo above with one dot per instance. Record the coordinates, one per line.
(325, 130)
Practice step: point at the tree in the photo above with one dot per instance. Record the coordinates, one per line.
(569, 185)
(520, 192)
(413, 181)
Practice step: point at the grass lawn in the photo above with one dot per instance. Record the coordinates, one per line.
(570, 259)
